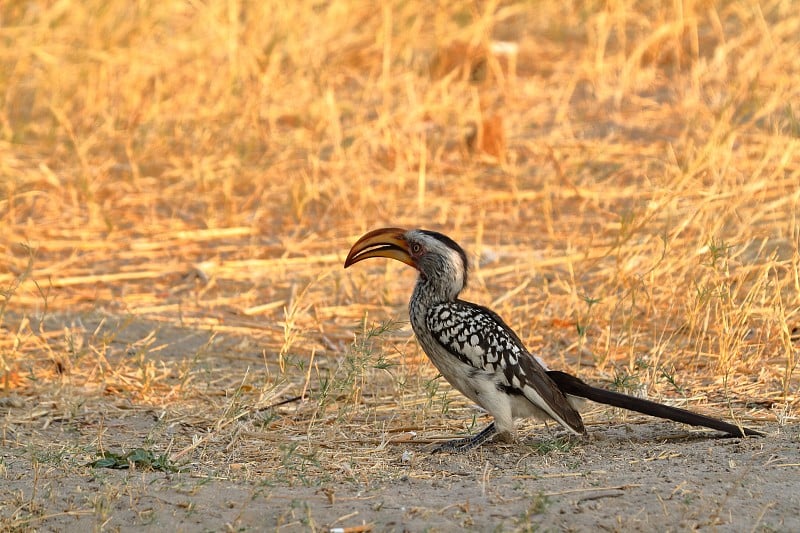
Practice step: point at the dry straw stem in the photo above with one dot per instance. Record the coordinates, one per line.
(624, 176)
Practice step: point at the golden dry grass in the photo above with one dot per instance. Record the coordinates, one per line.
(626, 177)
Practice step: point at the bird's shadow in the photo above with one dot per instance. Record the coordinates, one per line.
(564, 442)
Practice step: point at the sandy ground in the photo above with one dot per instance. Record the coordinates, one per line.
(630, 474)
(646, 477)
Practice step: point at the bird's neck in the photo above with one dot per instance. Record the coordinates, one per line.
(429, 292)
(435, 291)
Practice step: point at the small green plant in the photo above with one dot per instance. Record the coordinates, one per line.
(433, 394)
(557, 444)
(298, 465)
(361, 354)
(446, 402)
(138, 458)
(8, 292)
(669, 377)
(718, 253)
(431, 390)
(624, 382)
(581, 324)
(350, 376)
(538, 506)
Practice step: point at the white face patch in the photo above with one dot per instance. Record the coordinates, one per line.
(442, 266)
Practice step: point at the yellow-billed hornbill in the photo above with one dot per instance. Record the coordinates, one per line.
(482, 357)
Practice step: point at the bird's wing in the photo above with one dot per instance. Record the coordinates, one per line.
(478, 337)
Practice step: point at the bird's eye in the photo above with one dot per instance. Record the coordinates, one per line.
(416, 248)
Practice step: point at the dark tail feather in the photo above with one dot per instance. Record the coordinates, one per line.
(571, 385)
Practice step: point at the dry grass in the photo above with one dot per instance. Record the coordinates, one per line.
(627, 177)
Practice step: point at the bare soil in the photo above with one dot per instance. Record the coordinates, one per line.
(630, 474)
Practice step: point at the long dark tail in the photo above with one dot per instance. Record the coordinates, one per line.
(571, 385)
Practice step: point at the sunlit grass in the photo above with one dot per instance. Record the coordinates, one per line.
(626, 180)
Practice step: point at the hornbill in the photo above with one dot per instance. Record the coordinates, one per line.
(474, 349)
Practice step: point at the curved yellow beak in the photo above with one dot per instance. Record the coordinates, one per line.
(384, 242)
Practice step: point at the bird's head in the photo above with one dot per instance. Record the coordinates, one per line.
(441, 262)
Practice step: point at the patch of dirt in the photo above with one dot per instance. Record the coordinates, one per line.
(231, 458)
(632, 478)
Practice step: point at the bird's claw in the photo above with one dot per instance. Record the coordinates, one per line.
(467, 443)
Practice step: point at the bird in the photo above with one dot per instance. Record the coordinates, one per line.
(483, 358)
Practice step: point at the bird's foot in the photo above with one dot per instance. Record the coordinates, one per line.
(468, 443)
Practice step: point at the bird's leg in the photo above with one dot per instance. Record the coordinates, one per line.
(467, 443)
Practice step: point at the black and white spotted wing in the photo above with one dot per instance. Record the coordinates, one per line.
(478, 337)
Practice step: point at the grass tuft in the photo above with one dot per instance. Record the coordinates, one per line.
(138, 458)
